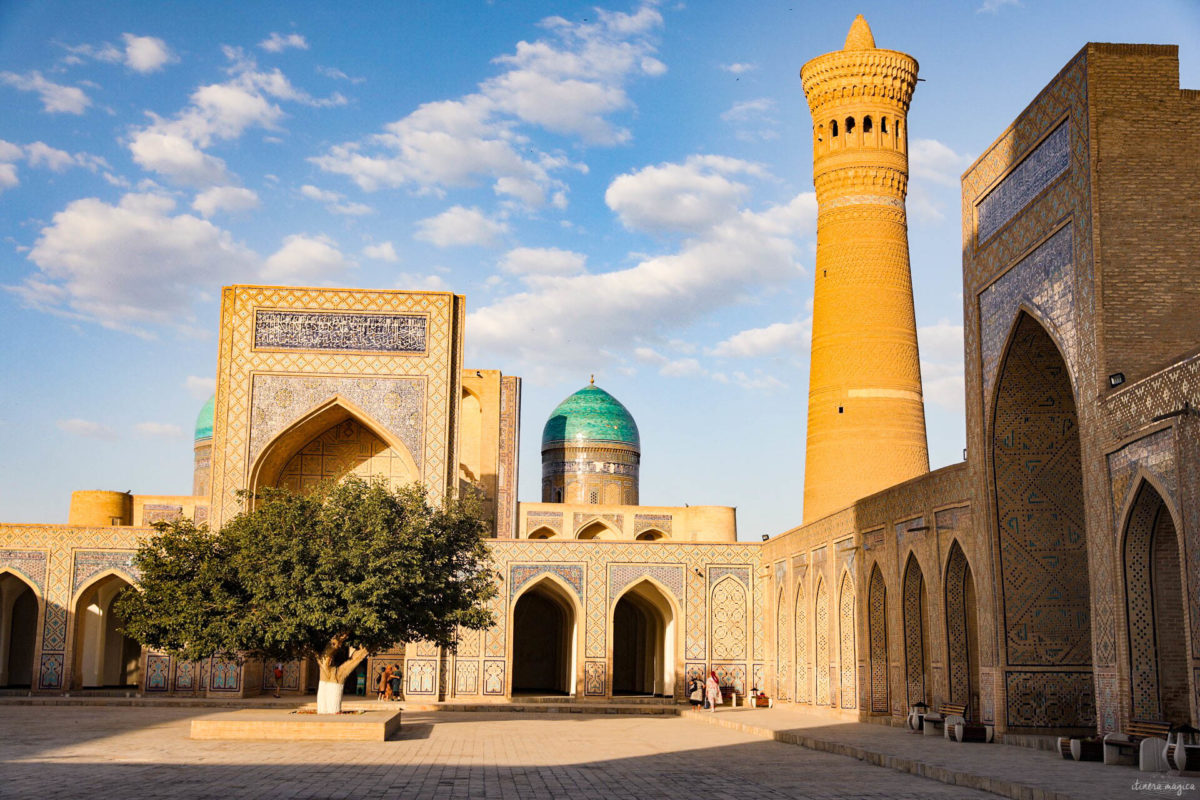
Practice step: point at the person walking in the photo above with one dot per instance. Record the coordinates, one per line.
(695, 692)
(278, 674)
(712, 690)
(385, 684)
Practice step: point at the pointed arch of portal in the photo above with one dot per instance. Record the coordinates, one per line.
(20, 620)
(962, 631)
(102, 656)
(546, 641)
(647, 639)
(1155, 609)
(597, 528)
(287, 445)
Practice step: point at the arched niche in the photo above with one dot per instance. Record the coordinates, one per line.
(803, 672)
(331, 441)
(543, 532)
(847, 652)
(962, 631)
(546, 621)
(597, 529)
(916, 632)
(19, 604)
(645, 627)
(104, 657)
(1155, 611)
(878, 641)
(821, 622)
(651, 535)
(783, 646)
(1041, 545)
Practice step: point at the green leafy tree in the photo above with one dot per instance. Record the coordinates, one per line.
(349, 568)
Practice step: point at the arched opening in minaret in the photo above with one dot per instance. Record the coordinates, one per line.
(1155, 610)
(18, 631)
(867, 126)
(1042, 556)
(544, 640)
(833, 127)
(643, 659)
(883, 124)
(104, 656)
(962, 632)
(849, 125)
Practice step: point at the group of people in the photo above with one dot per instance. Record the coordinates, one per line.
(706, 694)
(389, 683)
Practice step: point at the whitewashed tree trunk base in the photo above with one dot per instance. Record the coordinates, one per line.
(329, 697)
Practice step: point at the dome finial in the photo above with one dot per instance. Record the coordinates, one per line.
(592, 382)
(859, 37)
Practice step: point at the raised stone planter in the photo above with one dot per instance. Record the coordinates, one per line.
(269, 724)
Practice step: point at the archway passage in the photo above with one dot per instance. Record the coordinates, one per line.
(544, 638)
(643, 643)
(18, 631)
(962, 632)
(1042, 546)
(1156, 611)
(916, 629)
(104, 657)
(595, 530)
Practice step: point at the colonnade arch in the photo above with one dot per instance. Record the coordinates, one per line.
(1155, 610)
(546, 622)
(18, 630)
(104, 657)
(645, 628)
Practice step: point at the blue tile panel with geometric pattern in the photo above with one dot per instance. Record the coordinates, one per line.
(1047, 161)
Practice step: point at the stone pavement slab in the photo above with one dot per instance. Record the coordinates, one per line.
(1017, 772)
(105, 752)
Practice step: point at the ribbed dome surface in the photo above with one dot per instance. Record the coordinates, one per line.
(591, 415)
(204, 420)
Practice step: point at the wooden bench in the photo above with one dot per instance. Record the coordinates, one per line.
(1127, 747)
(935, 723)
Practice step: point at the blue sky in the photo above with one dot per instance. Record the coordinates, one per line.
(623, 190)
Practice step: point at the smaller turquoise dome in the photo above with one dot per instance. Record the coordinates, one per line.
(591, 415)
(204, 420)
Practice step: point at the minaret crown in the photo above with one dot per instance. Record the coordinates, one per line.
(859, 37)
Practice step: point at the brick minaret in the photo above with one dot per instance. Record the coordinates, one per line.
(866, 417)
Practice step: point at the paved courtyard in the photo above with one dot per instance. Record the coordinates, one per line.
(101, 752)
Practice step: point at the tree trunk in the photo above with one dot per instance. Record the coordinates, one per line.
(333, 678)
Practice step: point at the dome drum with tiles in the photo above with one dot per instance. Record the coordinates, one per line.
(591, 451)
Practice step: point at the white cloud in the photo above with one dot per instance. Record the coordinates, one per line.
(542, 261)
(459, 226)
(314, 259)
(749, 109)
(931, 160)
(994, 6)
(41, 154)
(941, 347)
(9, 152)
(688, 197)
(200, 388)
(338, 75)
(86, 428)
(759, 381)
(225, 198)
(422, 283)
(55, 97)
(384, 251)
(162, 430)
(737, 68)
(562, 322)
(570, 83)
(217, 112)
(793, 337)
(335, 201)
(277, 42)
(146, 54)
(130, 264)
(8, 176)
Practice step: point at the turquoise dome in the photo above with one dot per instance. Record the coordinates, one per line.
(591, 415)
(204, 421)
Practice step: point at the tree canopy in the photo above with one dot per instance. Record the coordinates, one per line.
(350, 564)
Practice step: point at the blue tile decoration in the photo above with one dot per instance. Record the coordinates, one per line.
(644, 522)
(521, 574)
(324, 330)
(30, 564)
(741, 573)
(158, 671)
(1038, 170)
(50, 676)
(89, 563)
(622, 575)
